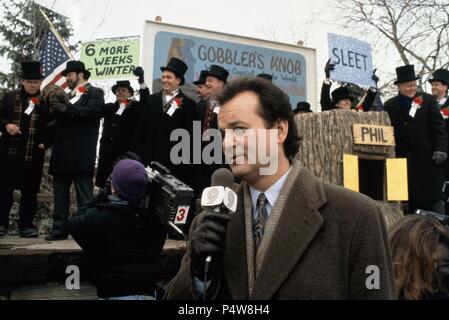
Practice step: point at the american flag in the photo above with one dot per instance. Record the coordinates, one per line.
(53, 56)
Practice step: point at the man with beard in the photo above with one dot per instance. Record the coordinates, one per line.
(207, 113)
(163, 113)
(74, 145)
(120, 122)
(23, 118)
(421, 137)
(201, 89)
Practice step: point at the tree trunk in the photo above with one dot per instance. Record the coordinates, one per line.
(327, 136)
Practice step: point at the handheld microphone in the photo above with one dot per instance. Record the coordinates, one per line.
(220, 198)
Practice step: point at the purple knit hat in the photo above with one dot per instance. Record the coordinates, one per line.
(129, 180)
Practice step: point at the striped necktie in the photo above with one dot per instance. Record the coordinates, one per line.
(261, 219)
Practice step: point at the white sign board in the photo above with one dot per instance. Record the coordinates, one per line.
(353, 60)
(293, 67)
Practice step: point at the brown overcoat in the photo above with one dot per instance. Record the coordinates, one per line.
(319, 242)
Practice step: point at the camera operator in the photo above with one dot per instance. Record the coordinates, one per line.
(123, 243)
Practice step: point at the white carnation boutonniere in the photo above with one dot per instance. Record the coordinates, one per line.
(416, 105)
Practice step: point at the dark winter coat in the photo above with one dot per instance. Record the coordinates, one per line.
(204, 171)
(152, 137)
(327, 104)
(124, 259)
(16, 170)
(446, 121)
(75, 136)
(117, 135)
(417, 139)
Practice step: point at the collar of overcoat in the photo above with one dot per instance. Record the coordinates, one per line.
(298, 222)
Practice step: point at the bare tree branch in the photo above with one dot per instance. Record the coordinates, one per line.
(417, 29)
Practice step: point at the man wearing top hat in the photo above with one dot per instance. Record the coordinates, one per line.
(163, 113)
(120, 121)
(421, 138)
(201, 89)
(74, 145)
(265, 76)
(341, 98)
(302, 107)
(440, 86)
(216, 79)
(23, 119)
(207, 113)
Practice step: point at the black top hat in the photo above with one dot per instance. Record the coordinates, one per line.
(31, 70)
(302, 107)
(178, 67)
(202, 79)
(268, 77)
(441, 75)
(76, 66)
(123, 84)
(406, 73)
(341, 94)
(218, 72)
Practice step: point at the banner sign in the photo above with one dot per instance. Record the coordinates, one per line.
(352, 59)
(111, 58)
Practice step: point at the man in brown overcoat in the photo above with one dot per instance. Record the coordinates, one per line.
(293, 236)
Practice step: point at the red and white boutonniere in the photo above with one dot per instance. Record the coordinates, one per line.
(418, 101)
(124, 103)
(35, 101)
(445, 112)
(175, 105)
(81, 90)
(178, 102)
(416, 105)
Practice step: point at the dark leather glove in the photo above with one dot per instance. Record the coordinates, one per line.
(104, 192)
(439, 157)
(329, 67)
(375, 77)
(209, 239)
(138, 72)
(59, 107)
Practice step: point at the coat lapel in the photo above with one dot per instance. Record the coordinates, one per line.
(235, 261)
(298, 223)
(446, 104)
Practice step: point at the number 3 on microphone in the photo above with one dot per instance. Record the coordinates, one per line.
(181, 215)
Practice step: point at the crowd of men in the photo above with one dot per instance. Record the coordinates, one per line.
(29, 126)
(289, 207)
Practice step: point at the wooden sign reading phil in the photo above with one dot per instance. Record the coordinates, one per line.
(373, 135)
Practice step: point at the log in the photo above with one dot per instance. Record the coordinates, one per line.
(327, 136)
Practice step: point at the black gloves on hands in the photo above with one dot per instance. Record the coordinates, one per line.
(439, 157)
(209, 239)
(59, 107)
(329, 67)
(138, 72)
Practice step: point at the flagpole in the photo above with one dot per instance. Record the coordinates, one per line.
(52, 27)
(34, 22)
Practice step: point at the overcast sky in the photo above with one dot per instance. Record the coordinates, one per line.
(281, 20)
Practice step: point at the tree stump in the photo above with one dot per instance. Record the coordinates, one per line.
(327, 136)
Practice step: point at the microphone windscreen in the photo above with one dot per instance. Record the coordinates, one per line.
(222, 177)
